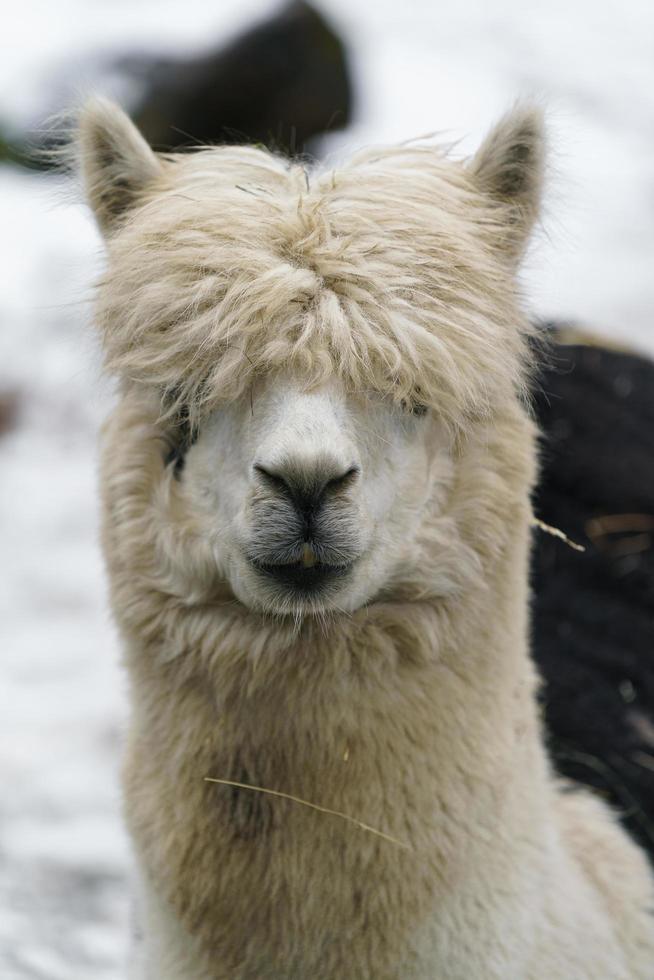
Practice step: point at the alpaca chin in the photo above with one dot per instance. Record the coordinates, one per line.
(295, 590)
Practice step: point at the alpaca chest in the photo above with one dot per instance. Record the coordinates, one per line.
(270, 888)
(267, 887)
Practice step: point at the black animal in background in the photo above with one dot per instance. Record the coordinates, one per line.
(593, 613)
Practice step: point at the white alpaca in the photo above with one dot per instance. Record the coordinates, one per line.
(316, 522)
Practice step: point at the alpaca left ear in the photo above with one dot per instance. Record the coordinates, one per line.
(509, 168)
(116, 162)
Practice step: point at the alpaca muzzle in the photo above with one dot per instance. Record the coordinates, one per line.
(305, 535)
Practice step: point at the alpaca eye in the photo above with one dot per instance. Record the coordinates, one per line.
(175, 457)
(182, 437)
(414, 408)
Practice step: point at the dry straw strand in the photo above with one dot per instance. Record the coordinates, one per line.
(557, 533)
(312, 806)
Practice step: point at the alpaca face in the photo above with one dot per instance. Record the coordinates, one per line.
(312, 499)
(327, 338)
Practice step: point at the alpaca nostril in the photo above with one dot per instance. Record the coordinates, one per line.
(344, 480)
(273, 479)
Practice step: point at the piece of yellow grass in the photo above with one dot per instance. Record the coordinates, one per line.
(312, 806)
(556, 533)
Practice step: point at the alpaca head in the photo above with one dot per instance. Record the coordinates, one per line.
(308, 352)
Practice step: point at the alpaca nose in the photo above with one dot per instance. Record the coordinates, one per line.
(307, 486)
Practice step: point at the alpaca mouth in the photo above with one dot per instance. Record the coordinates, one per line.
(303, 577)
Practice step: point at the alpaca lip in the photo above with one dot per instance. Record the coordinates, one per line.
(302, 577)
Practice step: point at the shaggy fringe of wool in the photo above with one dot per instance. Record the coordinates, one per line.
(385, 272)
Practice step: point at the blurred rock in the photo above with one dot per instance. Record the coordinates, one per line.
(593, 613)
(281, 83)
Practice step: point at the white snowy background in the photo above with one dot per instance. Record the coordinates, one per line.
(420, 66)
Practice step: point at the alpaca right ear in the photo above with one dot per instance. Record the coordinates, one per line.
(116, 162)
(509, 167)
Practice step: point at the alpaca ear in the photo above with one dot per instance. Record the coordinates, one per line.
(509, 168)
(116, 162)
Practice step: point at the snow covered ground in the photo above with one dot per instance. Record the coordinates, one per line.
(420, 66)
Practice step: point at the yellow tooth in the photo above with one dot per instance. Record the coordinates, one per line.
(308, 557)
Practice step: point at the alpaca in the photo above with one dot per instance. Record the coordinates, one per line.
(316, 496)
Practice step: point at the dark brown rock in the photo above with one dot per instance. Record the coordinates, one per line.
(281, 83)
